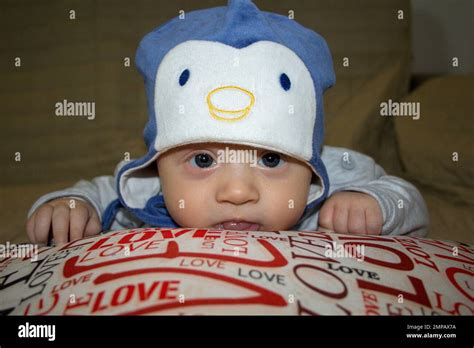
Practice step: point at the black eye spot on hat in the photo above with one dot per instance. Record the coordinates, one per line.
(285, 81)
(184, 77)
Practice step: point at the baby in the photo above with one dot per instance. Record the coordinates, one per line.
(235, 141)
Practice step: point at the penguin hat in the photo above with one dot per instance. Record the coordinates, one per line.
(231, 74)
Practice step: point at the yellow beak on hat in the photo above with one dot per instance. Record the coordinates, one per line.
(230, 115)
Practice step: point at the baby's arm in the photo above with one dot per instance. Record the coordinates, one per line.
(71, 213)
(400, 204)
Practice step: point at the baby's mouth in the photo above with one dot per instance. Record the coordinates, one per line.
(237, 225)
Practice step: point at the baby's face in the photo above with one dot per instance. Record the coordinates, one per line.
(202, 187)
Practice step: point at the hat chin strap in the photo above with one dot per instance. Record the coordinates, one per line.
(138, 184)
(316, 187)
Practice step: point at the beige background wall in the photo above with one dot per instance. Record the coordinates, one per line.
(83, 60)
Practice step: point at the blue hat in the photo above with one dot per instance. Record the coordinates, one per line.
(231, 74)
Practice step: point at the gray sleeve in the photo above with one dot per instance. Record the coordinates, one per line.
(403, 208)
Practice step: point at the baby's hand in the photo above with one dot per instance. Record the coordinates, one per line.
(351, 212)
(67, 222)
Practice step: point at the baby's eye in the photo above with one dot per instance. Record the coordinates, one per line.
(202, 160)
(271, 160)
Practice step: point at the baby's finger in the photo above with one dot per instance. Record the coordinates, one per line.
(30, 228)
(340, 218)
(61, 224)
(78, 220)
(325, 216)
(93, 226)
(356, 223)
(373, 221)
(43, 223)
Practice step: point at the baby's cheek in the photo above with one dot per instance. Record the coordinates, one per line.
(285, 207)
(188, 207)
(178, 208)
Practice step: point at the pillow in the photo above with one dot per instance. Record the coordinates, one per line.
(204, 271)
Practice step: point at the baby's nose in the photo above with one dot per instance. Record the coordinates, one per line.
(230, 103)
(237, 185)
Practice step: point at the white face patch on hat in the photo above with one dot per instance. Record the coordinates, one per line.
(260, 95)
